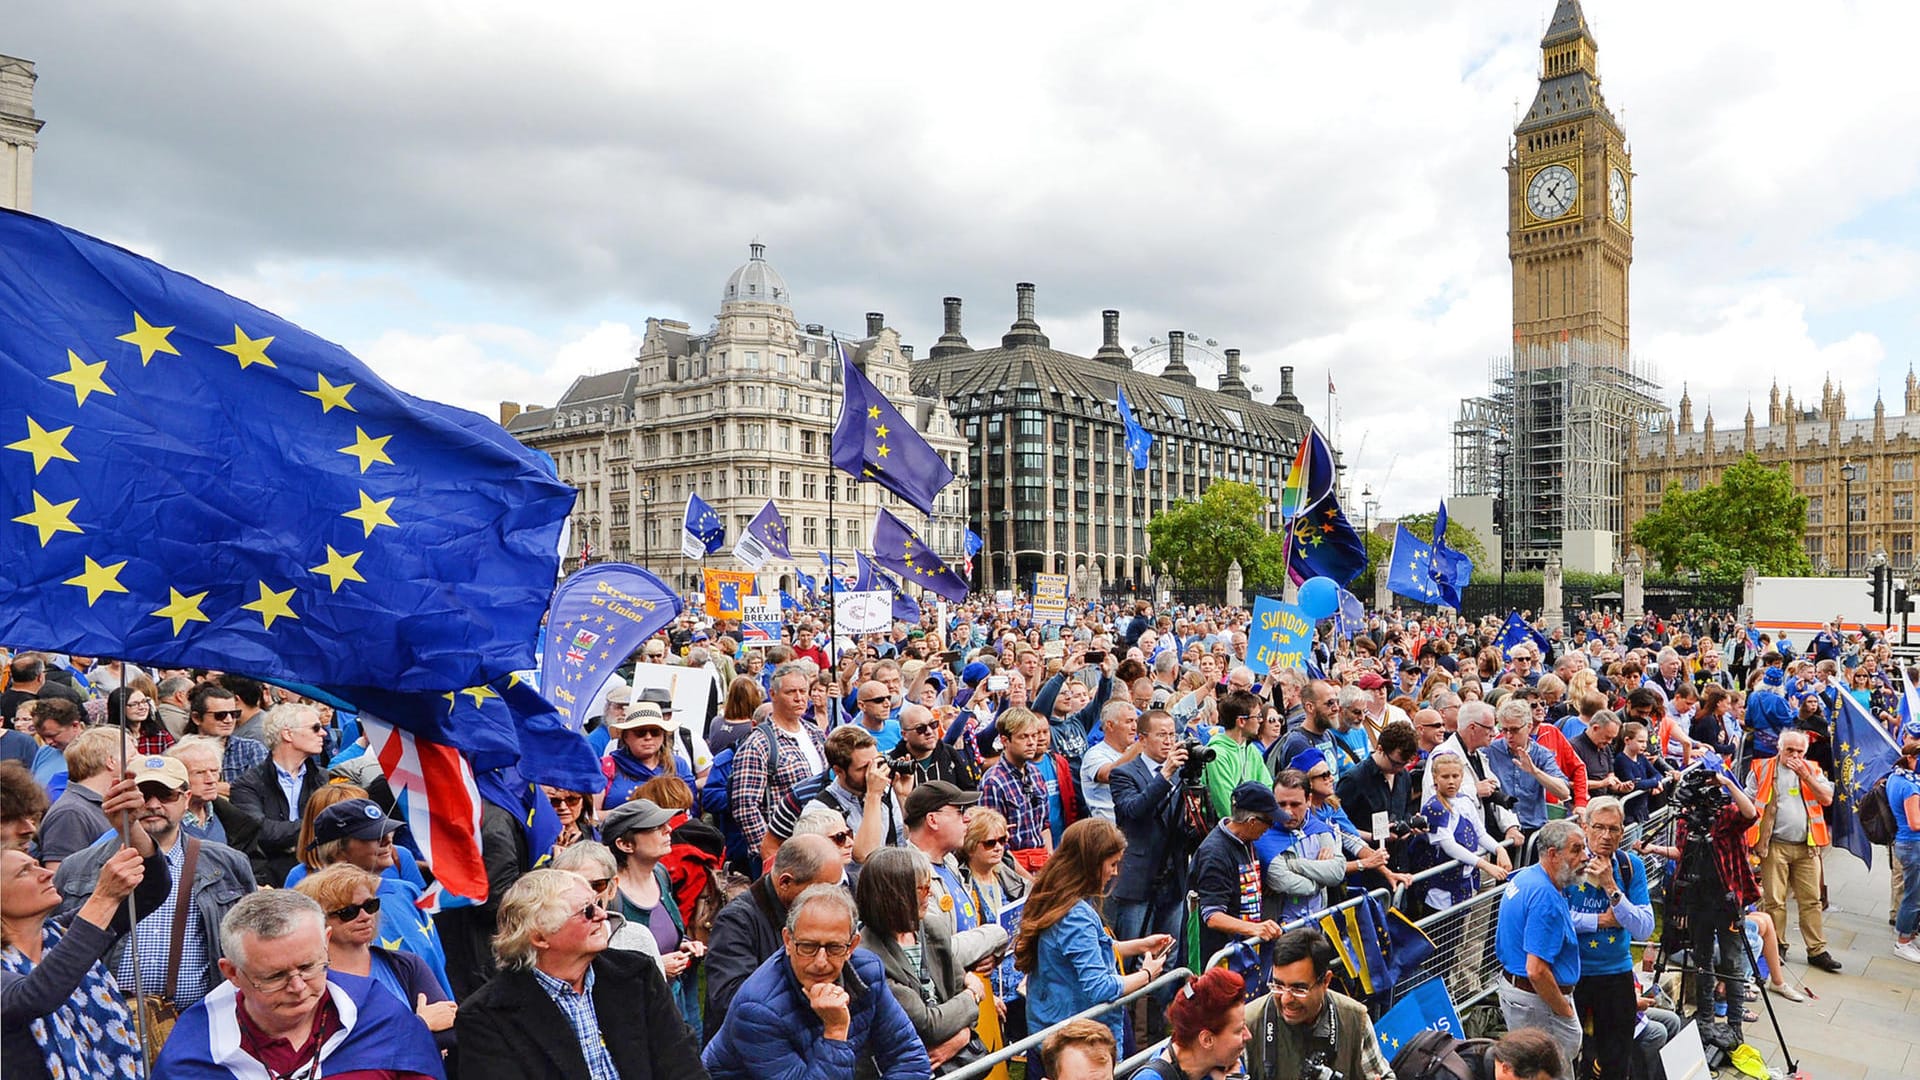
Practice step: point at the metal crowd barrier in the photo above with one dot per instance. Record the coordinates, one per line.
(1462, 935)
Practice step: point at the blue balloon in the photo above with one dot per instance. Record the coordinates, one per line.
(1319, 598)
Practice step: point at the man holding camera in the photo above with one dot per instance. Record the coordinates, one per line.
(1302, 1027)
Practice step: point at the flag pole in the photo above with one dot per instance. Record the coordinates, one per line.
(127, 825)
(833, 483)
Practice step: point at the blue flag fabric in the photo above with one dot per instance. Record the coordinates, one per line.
(1452, 570)
(1321, 542)
(788, 602)
(1351, 618)
(1426, 1006)
(974, 543)
(702, 530)
(770, 528)
(1139, 439)
(898, 549)
(499, 725)
(190, 480)
(1518, 631)
(598, 617)
(506, 788)
(1863, 752)
(808, 582)
(1411, 569)
(874, 442)
(828, 563)
(862, 576)
(905, 608)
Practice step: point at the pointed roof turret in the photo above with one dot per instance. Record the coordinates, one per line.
(1569, 72)
(1686, 410)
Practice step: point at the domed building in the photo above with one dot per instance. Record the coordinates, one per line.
(739, 413)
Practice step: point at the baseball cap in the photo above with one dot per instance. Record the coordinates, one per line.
(974, 672)
(1370, 681)
(355, 819)
(633, 816)
(619, 695)
(936, 795)
(159, 769)
(643, 714)
(1254, 797)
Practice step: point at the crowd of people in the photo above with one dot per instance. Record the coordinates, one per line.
(894, 857)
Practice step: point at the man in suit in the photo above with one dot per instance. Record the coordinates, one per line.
(268, 798)
(1150, 895)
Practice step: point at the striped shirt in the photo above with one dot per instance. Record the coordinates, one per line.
(155, 934)
(577, 1007)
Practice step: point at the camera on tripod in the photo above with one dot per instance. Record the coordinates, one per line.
(1199, 756)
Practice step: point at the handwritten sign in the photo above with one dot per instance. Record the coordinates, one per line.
(1279, 638)
(1050, 598)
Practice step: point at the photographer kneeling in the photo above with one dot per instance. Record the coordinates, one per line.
(1303, 1028)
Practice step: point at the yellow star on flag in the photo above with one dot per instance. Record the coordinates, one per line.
(372, 513)
(84, 378)
(249, 351)
(883, 451)
(50, 517)
(367, 448)
(873, 412)
(44, 445)
(329, 395)
(479, 694)
(98, 579)
(880, 432)
(339, 568)
(151, 339)
(271, 605)
(182, 610)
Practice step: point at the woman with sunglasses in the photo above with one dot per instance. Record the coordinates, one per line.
(575, 812)
(352, 830)
(565, 1004)
(350, 897)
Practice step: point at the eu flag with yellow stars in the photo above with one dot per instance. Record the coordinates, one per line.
(873, 442)
(1863, 752)
(191, 481)
(1321, 542)
(896, 548)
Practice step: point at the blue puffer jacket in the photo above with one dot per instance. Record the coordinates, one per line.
(772, 1033)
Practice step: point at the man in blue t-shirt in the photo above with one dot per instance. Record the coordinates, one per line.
(1535, 941)
(1903, 797)
(1610, 911)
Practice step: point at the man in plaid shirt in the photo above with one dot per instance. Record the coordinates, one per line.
(1014, 786)
(799, 754)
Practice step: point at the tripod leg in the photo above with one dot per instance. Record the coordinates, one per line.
(1754, 965)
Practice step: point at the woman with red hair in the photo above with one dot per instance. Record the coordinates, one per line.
(1209, 1021)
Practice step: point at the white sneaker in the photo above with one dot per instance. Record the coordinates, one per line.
(1908, 951)
(1786, 990)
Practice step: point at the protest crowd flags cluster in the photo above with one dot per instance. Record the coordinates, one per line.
(1321, 541)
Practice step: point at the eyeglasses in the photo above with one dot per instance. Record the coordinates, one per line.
(844, 836)
(161, 792)
(592, 913)
(318, 729)
(308, 973)
(1293, 990)
(1606, 830)
(600, 884)
(565, 800)
(876, 701)
(222, 714)
(835, 950)
(994, 841)
(371, 905)
(138, 703)
(922, 729)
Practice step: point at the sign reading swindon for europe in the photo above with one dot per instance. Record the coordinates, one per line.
(1050, 598)
(760, 621)
(1279, 637)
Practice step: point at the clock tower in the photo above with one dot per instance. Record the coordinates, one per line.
(1569, 205)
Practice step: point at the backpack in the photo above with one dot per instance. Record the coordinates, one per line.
(1875, 811)
(1437, 1055)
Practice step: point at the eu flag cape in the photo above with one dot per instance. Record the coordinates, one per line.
(188, 480)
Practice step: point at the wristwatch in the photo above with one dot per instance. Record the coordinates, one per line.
(1614, 898)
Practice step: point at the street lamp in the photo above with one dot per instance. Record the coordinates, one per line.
(1849, 472)
(646, 522)
(1367, 505)
(1500, 450)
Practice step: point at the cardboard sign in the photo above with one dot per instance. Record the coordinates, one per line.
(760, 621)
(857, 613)
(1050, 598)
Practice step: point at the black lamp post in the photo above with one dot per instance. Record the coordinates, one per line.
(1849, 472)
(1500, 450)
(646, 522)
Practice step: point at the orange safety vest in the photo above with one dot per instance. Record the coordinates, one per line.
(1764, 769)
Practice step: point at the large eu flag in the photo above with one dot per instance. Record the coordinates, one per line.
(1321, 541)
(874, 442)
(1411, 570)
(191, 481)
(1139, 439)
(1863, 752)
(701, 531)
(896, 548)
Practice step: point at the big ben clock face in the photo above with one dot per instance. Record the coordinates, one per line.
(1617, 194)
(1552, 192)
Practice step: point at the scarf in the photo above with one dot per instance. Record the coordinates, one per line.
(91, 1034)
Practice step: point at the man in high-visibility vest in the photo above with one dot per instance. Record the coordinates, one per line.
(1791, 838)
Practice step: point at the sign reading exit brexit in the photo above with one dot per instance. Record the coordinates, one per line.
(1279, 638)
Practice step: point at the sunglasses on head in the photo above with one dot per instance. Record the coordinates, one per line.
(371, 905)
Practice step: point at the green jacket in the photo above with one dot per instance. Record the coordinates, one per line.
(1235, 763)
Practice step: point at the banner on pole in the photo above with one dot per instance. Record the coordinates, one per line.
(1050, 598)
(859, 613)
(760, 621)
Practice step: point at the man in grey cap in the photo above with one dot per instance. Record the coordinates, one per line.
(937, 825)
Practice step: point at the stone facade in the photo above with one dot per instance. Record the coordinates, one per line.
(1816, 443)
(19, 133)
(738, 414)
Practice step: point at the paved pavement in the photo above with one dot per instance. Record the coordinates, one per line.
(1865, 1024)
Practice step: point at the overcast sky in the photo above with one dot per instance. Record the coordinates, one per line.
(484, 200)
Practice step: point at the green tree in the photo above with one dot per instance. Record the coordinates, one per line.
(1196, 541)
(1752, 517)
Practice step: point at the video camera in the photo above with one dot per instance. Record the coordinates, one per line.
(1199, 756)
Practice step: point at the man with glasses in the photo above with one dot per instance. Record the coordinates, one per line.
(1301, 1025)
(267, 800)
(818, 1007)
(1527, 771)
(1535, 941)
(209, 877)
(1611, 911)
(1480, 786)
(923, 754)
(747, 931)
(281, 1013)
(876, 714)
(214, 712)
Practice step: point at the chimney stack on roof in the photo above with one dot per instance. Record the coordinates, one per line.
(1176, 370)
(906, 353)
(1286, 400)
(1110, 350)
(1231, 382)
(1025, 331)
(951, 341)
(875, 323)
(508, 410)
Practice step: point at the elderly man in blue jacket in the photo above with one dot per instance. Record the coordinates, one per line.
(817, 1008)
